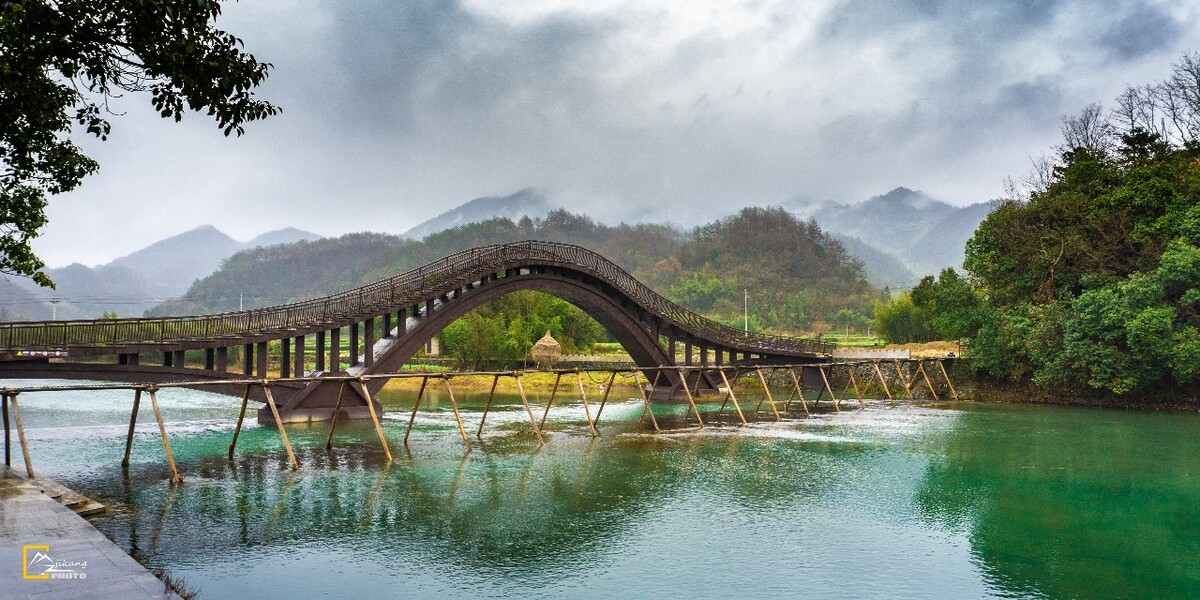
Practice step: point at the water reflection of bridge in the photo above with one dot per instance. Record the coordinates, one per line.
(383, 325)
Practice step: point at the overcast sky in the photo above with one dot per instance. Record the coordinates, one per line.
(396, 111)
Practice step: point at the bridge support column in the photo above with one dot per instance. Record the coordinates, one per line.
(298, 368)
(687, 348)
(369, 342)
(167, 359)
(285, 357)
(319, 352)
(210, 359)
(717, 356)
(354, 344)
(429, 307)
(248, 360)
(222, 359)
(131, 358)
(387, 325)
(703, 355)
(262, 359)
(401, 323)
(335, 349)
(180, 359)
(671, 348)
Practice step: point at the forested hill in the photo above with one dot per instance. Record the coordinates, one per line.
(792, 271)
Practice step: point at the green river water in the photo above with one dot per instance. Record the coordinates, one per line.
(963, 501)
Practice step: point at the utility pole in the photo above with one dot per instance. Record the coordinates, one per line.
(240, 298)
(54, 308)
(746, 311)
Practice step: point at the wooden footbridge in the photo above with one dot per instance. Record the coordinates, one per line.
(742, 384)
(373, 330)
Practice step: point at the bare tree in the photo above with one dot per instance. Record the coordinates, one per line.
(1136, 109)
(1091, 130)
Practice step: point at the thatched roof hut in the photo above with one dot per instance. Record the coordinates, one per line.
(546, 351)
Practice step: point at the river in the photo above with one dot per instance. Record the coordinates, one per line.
(971, 500)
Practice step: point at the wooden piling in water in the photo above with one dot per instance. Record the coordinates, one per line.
(646, 397)
(488, 406)
(883, 381)
(162, 430)
(553, 393)
(942, 366)
(604, 400)
(416, 405)
(921, 368)
(799, 390)
(836, 401)
(241, 416)
(16, 410)
(691, 400)
(333, 418)
(375, 419)
(767, 390)
(532, 421)
(137, 400)
(587, 412)
(457, 417)
(287, 445)
(736, 406)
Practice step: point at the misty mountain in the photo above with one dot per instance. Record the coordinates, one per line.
(924, 234)
(525, 203)
(879, 267)
(133, 283)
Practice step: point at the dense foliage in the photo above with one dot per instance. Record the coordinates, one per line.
(61, 62)
(795, 276)
(1094, 278)
(507, 327)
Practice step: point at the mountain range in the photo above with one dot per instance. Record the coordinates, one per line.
(900, 236)
(133, 283)
(525, 203)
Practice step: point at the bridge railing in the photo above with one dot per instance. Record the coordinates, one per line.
(411, 287)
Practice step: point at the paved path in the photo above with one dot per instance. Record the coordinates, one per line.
(30, 518)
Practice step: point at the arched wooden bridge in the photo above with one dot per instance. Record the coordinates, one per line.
(386, 322)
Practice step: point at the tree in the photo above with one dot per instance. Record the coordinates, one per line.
(1094, 280)
(899, 321)
(950, 305)
(62, 61)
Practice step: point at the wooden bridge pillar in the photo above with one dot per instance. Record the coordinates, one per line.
(369, 342)
(429, 307)
(671, 347)
(248, 360)
(262, 359)
(387, 325)
(718, 353)
(179, 360)
(210, 359)
(285, 357)
(222, 359)
(401, 323)
(353, 344)
(687, 348)
(335, 349)
(319, 352)
(167, 359)
(298, 367)
(703, 355)
(128, 359)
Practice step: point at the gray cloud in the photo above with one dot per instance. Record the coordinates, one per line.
(394, 112)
